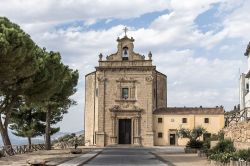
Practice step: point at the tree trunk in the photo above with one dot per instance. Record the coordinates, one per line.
(29, 142)
(5, 135)
(6, 109)
(47, 130)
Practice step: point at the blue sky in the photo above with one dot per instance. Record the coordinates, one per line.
(198, 44)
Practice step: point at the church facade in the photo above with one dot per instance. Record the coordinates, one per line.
(121, 96)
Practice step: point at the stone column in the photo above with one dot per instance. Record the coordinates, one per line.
(113, 137)
(149, 138)
(100, 135)
(136, 129)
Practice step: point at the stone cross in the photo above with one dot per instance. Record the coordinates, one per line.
(125, 31)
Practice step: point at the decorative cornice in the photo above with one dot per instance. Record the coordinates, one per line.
(126, 79)
(121, 68)
(117, 108)
(126, 100)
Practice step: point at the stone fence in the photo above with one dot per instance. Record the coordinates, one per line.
(239, 133)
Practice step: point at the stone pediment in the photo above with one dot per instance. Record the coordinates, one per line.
(125, 43)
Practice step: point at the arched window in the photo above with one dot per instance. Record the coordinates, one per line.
(125, 53)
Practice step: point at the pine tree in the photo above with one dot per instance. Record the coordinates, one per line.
(60, 101)
(29, 121)
(33, 74)
(19, 60)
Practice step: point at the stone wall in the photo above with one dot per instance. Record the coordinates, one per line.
(239, 133)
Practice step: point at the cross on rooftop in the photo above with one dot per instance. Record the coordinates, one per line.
(125, 30)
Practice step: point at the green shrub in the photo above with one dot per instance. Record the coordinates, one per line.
(244, 154)
(222, 157)
(225, 157)
(221, 135)
(195, 144)
(206, 145)
(223, 151)
(224, 146)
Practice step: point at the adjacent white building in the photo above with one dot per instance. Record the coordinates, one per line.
(244, 86)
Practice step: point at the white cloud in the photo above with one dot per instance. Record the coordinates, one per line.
(30, 11)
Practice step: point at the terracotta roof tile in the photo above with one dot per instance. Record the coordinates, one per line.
(189, 110)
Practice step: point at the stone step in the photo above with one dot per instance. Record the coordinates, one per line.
(81, 159)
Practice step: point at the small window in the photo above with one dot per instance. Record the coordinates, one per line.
(159, 120)
(125, 53)
(160, 135)
(172, 120)
(124, 93)
(206, 120)
(184, 120)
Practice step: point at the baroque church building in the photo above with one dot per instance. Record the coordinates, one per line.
(126, 102)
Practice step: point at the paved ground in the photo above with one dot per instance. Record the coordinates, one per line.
(126, 156)
(182, 159)
(168, 149)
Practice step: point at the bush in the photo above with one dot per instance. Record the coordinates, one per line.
(206, 145)
(221, 135)
(244, 154)
(195, 144)
(224, 146)
(223, 151)
(222, 157)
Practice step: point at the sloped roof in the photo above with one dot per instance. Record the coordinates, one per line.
(189, 111)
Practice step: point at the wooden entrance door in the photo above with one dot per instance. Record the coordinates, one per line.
(124, 131)
(172, 139)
